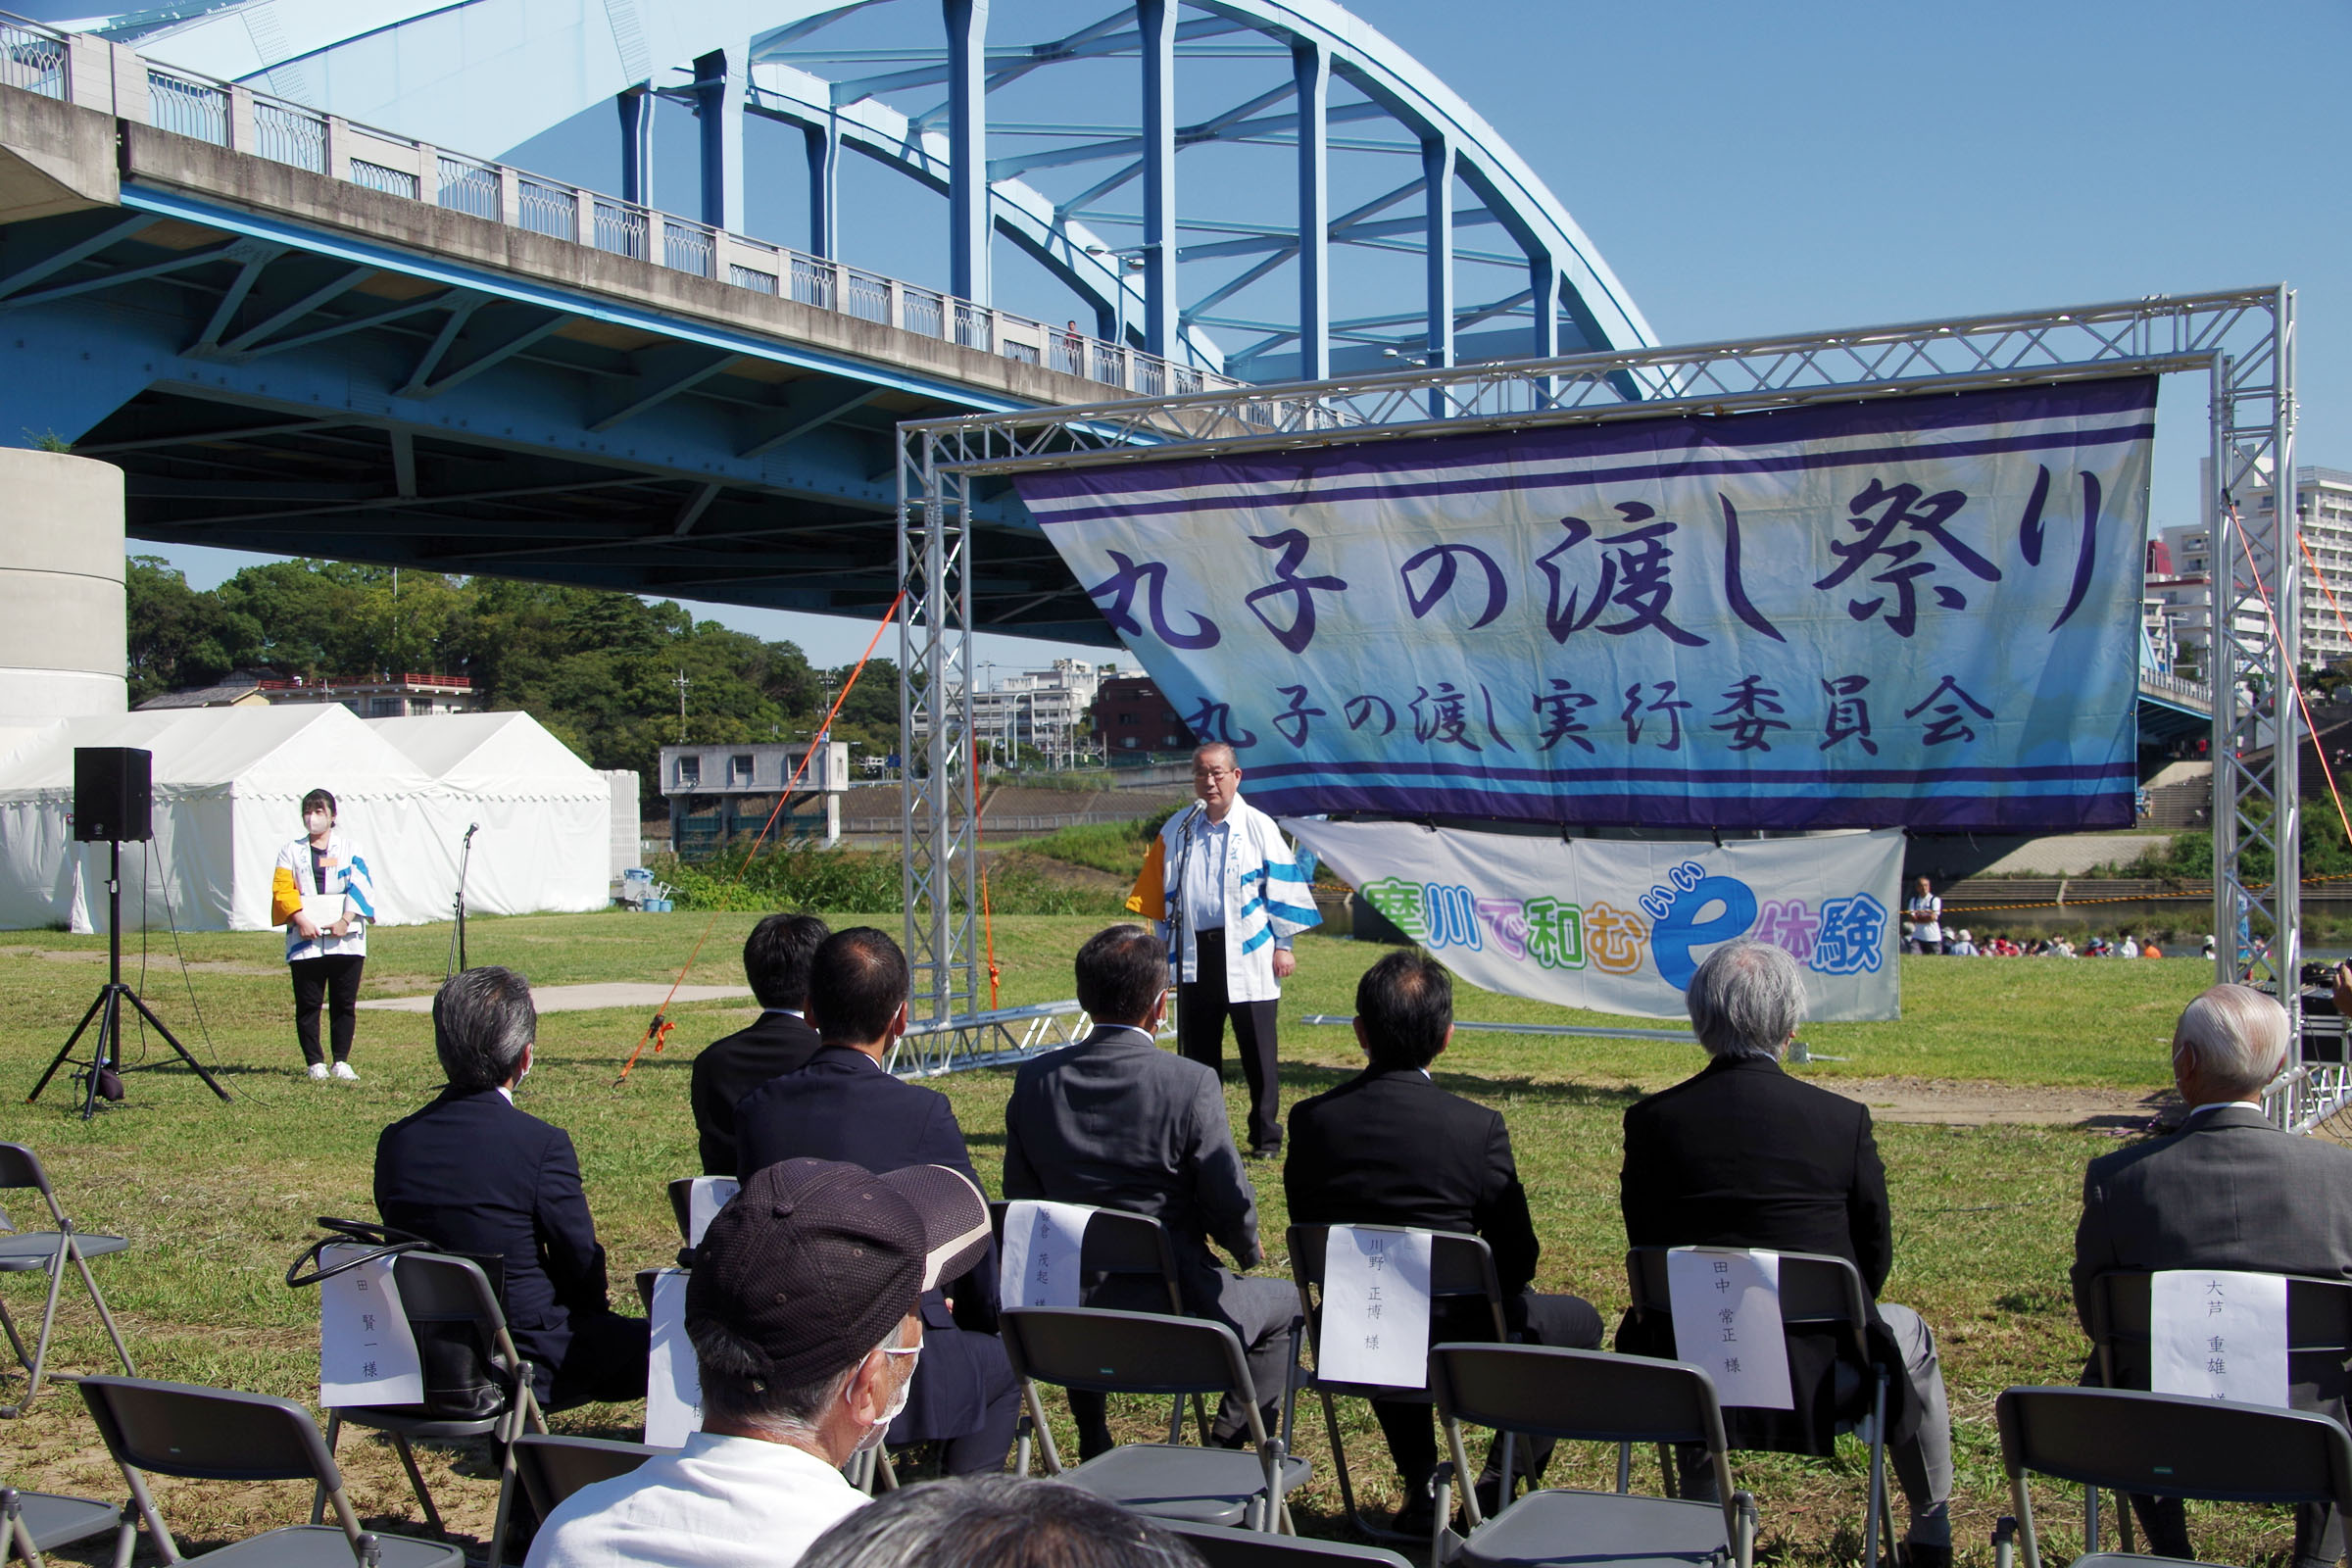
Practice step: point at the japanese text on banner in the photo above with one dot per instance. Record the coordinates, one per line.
(1833, 616)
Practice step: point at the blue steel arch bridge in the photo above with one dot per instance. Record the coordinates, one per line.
(250, 252)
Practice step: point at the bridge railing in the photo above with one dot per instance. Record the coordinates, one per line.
(93, 72)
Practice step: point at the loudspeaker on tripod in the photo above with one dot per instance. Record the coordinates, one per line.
(114, 794)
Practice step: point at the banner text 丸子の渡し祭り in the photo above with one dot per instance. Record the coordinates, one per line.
(1916, 611)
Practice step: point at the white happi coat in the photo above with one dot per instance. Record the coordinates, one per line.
(1267, 896)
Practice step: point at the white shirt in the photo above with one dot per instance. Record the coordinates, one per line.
(1203, 893)
(717, 1503)
(1927, 917)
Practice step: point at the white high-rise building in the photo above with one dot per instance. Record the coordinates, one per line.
(2324, 504)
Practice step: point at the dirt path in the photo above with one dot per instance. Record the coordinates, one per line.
(1944, 1102)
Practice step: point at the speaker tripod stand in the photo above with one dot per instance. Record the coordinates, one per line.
(107, 1013)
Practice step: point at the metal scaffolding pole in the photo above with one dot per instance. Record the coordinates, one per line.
(2241, 340)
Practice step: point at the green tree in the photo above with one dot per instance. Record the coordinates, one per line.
(178, 637)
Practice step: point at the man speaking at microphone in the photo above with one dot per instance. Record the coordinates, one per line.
(1229, 897)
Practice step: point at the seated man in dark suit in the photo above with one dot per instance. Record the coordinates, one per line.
(1389, 1148)
(775, 961)
(843, 1106)
(1745, 1155)
(2227, 1191)
(1116, 1122)
(473, 1174)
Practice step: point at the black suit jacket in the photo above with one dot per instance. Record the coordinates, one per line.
(844, 1106)
(731, 1067)
(1745, 1155)
(1390, 1147)
(1116, 1122)
(2228, 1191)
(473, 1174)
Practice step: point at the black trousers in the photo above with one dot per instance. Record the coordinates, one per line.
(1201, 1009)
(604, 1363)
(1564, 1322)
(2318, 1531)
(334, 980)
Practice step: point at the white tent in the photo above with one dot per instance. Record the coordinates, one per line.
(228, 788)
(545, 815)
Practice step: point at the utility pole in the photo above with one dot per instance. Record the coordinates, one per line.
(682, 683)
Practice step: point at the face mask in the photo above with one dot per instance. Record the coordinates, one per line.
(898, 1403)
(318, 821)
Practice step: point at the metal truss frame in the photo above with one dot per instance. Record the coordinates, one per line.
(2243, 340)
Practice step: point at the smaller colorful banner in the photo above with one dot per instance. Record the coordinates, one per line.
(1621, 927)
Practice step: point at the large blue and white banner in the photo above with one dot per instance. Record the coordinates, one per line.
(1620, 927)
(1918, 612)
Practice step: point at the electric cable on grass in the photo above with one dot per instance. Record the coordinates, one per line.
(657, 1031)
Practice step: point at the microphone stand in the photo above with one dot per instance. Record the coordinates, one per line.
(1173, 899)
(456, 935)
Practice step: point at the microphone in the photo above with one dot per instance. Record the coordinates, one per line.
(471, 828)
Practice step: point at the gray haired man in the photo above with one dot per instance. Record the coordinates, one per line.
(472, 1173)
(1745, 1155)
(2227, 1191)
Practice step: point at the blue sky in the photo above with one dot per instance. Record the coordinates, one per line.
(1752, 169)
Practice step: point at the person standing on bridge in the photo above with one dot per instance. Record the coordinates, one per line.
(1229, 895)
(322, 893)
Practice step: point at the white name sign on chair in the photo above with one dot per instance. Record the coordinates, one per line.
(1044, 1242)
(704, 1200)
(1726, 1303)
(2219, 1335)
(1375, 1309)
(673, 1385)
(367, 1353)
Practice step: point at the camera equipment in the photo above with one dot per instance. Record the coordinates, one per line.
(2317, 974)
(114, 801)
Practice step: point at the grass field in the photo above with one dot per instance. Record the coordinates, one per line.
(218, 1199)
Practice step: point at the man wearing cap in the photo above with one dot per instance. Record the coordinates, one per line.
(841, 1106)
(802, 1309)
(1116, 1122)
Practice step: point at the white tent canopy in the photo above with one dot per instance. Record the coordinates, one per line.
(545, 815)
(228, 787)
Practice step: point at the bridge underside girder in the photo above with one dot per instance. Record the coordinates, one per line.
(263, 396)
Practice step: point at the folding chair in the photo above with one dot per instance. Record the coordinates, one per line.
(1131, 1245)
(1460, 1269)
(177, 1429)
(34, 1522)
(453, 1309)
(1587, 1397)
(23, 1252)
(551, 1468)
(2164, 1444)
(2318, 1344)
(1147, 1352)
(1818, 1293)
(1220, 1548)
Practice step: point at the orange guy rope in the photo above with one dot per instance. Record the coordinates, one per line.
(657, 1031)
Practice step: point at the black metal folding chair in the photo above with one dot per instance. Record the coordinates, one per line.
(1120, 1244)
(2318, 1346)
(1460, 1269)
(2163, 1445)
(453, 1309)
(1588, 1397)
(551, 1468)
(26, 1251)
(1818, 1293)
(34, 1522)
(1148, 1352)
(1223, 1547)
(178, 1429)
